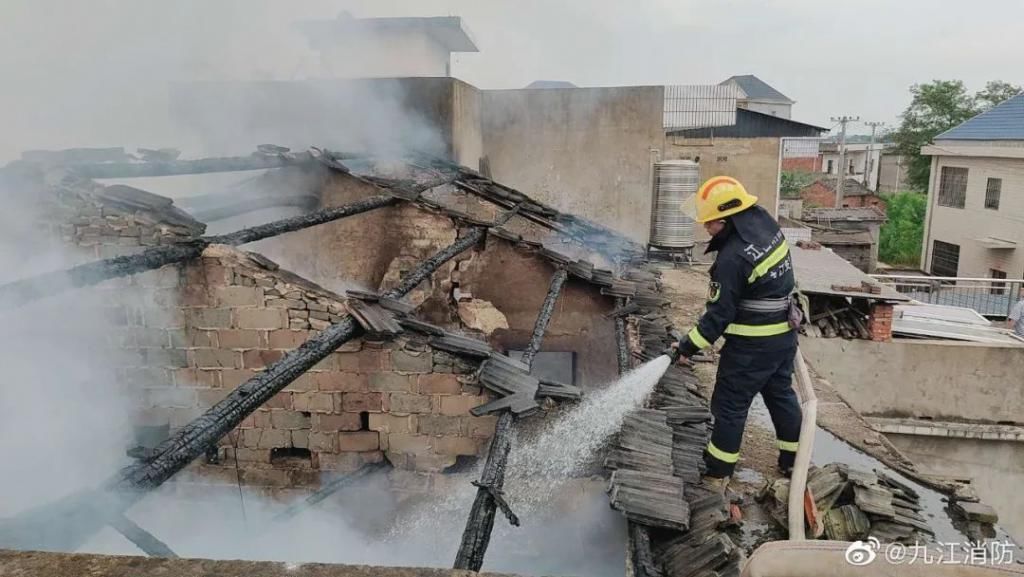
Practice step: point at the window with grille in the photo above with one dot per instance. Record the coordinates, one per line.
(992, 191)
(952, 187)
(997, 287)
(830, 164)
(945, 258)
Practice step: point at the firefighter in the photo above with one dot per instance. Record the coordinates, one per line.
(751, 303)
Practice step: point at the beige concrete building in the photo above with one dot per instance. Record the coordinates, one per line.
(975, 220)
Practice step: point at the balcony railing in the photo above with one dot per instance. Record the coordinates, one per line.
(989, 297)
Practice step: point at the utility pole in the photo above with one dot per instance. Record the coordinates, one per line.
(841, 172)
(869, 164)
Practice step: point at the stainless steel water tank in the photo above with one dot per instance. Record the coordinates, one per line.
(675, 183)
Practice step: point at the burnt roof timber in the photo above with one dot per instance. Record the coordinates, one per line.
(94, 508)
(197, 166)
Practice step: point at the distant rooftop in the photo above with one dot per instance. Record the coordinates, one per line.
(851, 186)
(757, 89)
(551, 84)
(867, 213)
(445, 30)
(1004, 122)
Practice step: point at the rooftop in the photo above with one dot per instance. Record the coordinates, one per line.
(757, 89)
(851, 186)
(446, 30)
(867, 213)
(1004, 122)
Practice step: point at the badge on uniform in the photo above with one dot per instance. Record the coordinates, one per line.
(714, 291)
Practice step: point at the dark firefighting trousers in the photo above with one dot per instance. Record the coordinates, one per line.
(745, 369)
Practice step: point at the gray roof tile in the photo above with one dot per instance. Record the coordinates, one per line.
(756, 88)
(1004, 122)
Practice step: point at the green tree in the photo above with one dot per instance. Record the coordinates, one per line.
(936, 107)
(900, 238)
(792, 182)
(995, 91)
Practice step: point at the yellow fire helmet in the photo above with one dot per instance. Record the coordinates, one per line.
(720, 197)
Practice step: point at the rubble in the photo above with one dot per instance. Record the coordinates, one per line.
(855, 504)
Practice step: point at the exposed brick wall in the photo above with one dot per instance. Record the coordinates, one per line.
(368, 401)
(819, 195)
(880, 322)
(808, 164)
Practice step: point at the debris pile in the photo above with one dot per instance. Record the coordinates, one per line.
(851, 505)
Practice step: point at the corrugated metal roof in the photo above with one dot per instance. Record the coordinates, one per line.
(1004, 122)
(757, 89)
(818, 271)
(751, 124)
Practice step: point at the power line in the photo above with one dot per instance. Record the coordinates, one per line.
(869, 164)
(841, 172)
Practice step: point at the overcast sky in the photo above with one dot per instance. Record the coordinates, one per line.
(95, 72)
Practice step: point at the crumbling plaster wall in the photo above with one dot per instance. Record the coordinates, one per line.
(516, 282)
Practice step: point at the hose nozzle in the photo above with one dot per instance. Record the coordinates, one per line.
(673, 352)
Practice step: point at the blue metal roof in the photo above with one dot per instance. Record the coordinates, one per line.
(756, 89)
(1004, 122)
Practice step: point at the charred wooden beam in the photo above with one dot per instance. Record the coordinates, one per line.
(141, 538)
(22, 291)
(643, 558)
(19, 292)
(197, 166)
(477, 535)
(544, 316)
(193, 439)
(278, 227)
(82, 515)
(621, 341)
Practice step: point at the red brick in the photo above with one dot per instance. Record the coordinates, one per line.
(304, 383)
(341, 462)
(482, 427)
(460, 405)
(261, 319)
(251, 455)
(231, 378)
(386, 423)
(214, 358)
(359, 442)
(364, 361)
(362, 402)
(410, 403)
(455, 446)
(210, 397)
(272, 438)
(197, 378)
(314, 402)
(341, 422)
(439, 384)
(341, 382)
(258, 358)
(289, 420)
(209, 318)
(237, 339)
(411, 444)
(279, 401)
(391, 382)
(266, 477)
(238, 296)
(287, 338)
(322, 442)
(440, 425)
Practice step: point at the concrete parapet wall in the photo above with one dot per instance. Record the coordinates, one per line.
(933, 379)
(41, 564)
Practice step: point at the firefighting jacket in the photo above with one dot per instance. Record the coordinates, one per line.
(752, 267)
